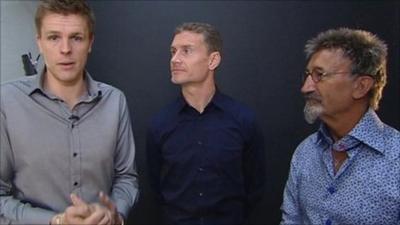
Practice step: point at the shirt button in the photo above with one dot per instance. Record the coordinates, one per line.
(76, 184)
(75, 154)
(201, 194)
(199, 143)
(328, 222)
(200, 169)
(331, 190)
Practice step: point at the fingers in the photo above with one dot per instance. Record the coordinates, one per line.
(81, 212)
(78, 210)
(76, 200)
(106, 201)
(100, 216)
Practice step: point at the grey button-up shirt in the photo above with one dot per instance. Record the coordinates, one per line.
(48, 151)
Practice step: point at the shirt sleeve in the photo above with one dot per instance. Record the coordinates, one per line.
(254, 167)
(290, 207)
(125, 189)
(12, 210)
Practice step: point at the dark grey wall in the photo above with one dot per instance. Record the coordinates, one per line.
(262, 65)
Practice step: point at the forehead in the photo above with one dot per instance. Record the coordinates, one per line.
(187, 38)
(329, 59)
(54, 22)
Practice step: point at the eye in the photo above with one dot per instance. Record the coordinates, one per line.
(172, 51)
(77, 38)
(318, 73)
(187, 51)
(52, 37)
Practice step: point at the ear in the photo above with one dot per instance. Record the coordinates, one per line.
(362, 85)
(214, 60)
(38, 43)
(91, 43)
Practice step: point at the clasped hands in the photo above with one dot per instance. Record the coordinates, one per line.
(82, 213)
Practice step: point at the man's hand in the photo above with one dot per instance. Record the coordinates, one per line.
(106, 201)
(82, 213)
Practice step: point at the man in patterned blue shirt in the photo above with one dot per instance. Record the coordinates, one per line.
(348, 172)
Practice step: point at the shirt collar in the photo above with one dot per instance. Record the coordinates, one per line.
(368, 131)
(217, 100)
(92, 86)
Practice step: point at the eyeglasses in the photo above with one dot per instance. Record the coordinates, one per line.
(318, 75)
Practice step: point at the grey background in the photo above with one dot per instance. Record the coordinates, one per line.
(17, 36)
(262, 66)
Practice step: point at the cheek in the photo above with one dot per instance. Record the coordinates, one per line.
(335, 96)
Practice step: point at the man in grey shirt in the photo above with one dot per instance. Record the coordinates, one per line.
(66, 148)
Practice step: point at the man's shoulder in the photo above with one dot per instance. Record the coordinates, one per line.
(108, 89)
(236, 108)
(391, 141)
(308, 146)
(392, 132)
(24, 84)
(166, 113)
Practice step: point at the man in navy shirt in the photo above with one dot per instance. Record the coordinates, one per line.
(205, 151)
(348, 172)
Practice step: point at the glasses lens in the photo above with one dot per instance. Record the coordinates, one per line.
(305, 75)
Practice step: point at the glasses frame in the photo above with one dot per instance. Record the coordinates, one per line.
(317, 76)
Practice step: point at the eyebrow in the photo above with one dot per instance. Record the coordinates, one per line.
(316, 68)
(57, 32)
(182, 46)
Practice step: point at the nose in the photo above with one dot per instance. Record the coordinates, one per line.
(175, 58)
(308, 85)
(65, 46)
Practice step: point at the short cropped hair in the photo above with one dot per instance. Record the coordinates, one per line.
(211, 35)
(65, 7)
(367, 52)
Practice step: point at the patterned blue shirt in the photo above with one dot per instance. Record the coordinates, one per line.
(365, 190)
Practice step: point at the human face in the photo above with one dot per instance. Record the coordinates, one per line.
(332, 95)
(191, 63)
(65, 42)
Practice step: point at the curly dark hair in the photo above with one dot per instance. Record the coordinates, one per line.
(367, 52)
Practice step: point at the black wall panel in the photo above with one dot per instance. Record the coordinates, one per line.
(262, 66)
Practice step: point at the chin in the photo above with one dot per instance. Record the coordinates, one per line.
(312, 111)
(176, 81)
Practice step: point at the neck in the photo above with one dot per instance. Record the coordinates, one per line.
(70, 93)
(342, 123)
(199, 96)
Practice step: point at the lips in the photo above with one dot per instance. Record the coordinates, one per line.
(66, 65)
(177, 70)
(312, 97)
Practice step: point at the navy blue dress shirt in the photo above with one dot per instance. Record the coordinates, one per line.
(207, 168)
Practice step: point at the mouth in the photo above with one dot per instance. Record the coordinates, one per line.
(312, 98)
(66, 64)
(177, 70)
